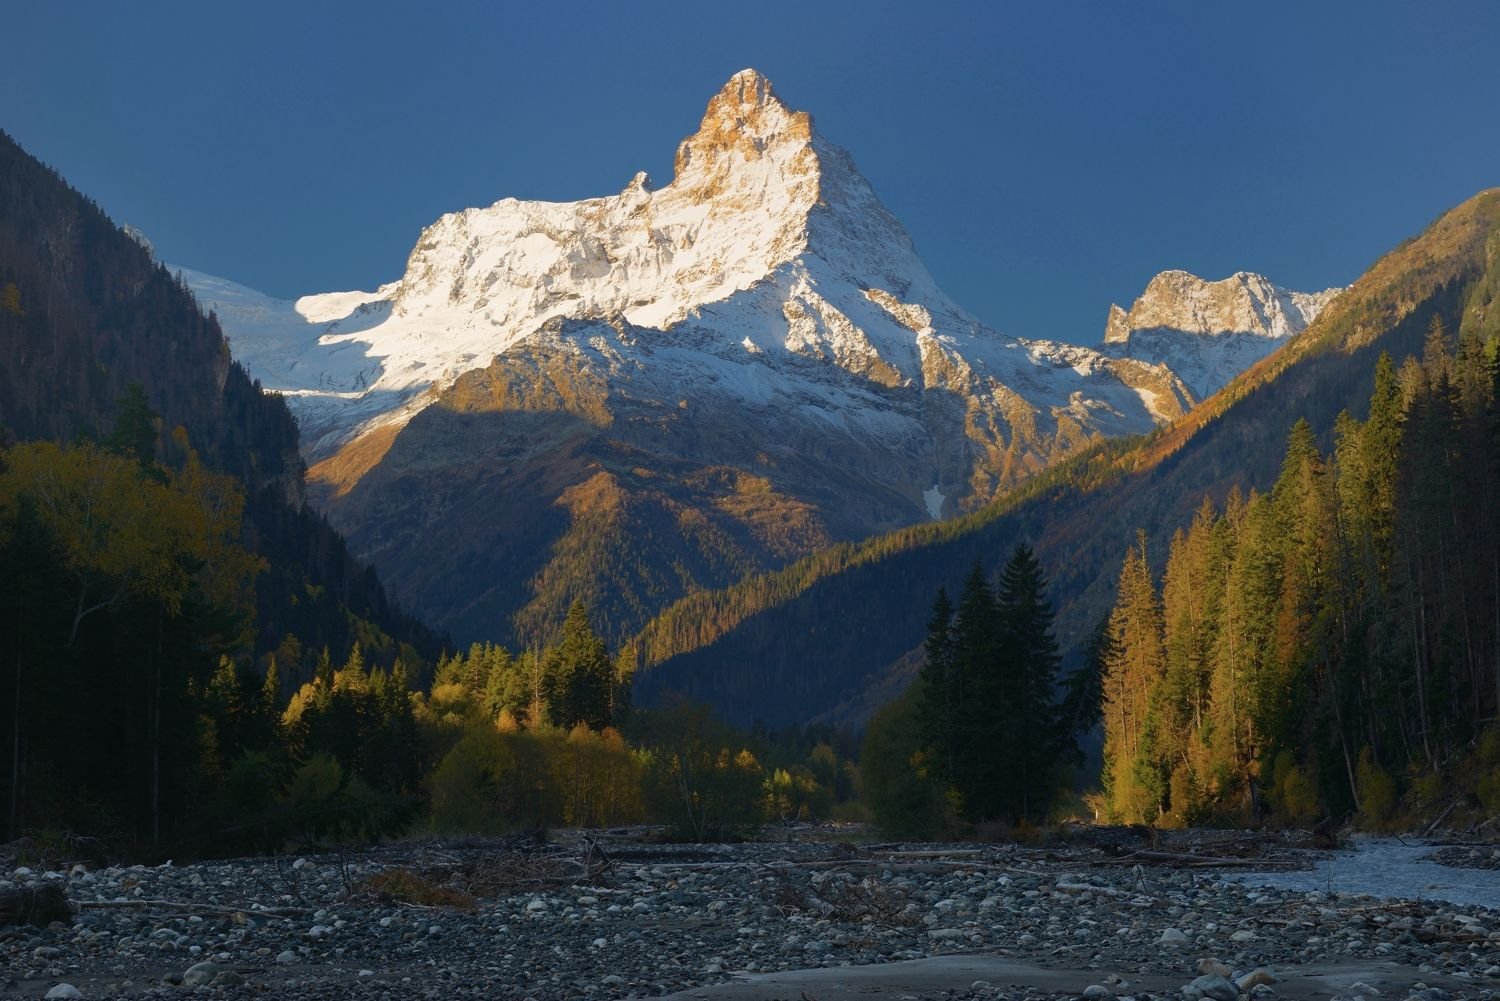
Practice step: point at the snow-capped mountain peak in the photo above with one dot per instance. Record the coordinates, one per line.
(758, 200)
(753, 350)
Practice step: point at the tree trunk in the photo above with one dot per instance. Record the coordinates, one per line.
(15, 757)
(155, 730)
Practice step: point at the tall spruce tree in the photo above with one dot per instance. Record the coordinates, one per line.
(976, 682)
(939, 701)
(580, 673)
(1031, 735)
(1137, 661)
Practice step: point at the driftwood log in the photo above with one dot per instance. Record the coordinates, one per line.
(40, 907)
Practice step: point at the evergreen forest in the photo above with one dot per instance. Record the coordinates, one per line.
(1330, 647)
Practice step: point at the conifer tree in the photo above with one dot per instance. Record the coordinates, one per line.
(581, 674)
(1030, 731)
(937, 707)
(976, 682)
(1136, 663)
(135, 430)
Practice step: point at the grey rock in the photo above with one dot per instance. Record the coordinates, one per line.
(286, 957)
(200, 974)
(1213, 987)
(63, 991)
(1173, 937)
(1097, 992)
(1255, 978)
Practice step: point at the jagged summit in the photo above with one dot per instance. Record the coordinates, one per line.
(747, 120)
(1209, 331)
(1244, 302)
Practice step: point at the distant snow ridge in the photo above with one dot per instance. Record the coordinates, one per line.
(767, 275)
(1208, 332)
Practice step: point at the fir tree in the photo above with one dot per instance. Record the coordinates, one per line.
(937, 708)
(1030, 730)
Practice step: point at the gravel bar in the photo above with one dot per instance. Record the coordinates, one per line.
(702, 921)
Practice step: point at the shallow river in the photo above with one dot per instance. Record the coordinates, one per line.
(1384, 867)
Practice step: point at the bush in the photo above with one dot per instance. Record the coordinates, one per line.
(494, 783)
(406, 887)
(906, 800)
(1293, 793)
(597, 777)
(1377, 789)
(1488, 790)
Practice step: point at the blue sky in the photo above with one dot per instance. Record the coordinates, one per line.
(1047, 158)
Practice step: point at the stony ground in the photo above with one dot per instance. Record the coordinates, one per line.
(635, 920)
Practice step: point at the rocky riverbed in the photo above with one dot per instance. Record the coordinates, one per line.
(638, 920)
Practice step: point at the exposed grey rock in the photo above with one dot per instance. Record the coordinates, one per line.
(199, 974)
(1212, 987)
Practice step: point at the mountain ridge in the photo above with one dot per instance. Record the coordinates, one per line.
(761, 323)
(878, 592)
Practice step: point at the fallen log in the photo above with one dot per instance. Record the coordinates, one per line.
(1189, 861)
(187, 907)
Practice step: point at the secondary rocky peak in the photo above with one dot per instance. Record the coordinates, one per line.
(1208, 332)
(746, 121)
(1245, 303)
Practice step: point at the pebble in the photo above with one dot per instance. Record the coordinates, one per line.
(61, 991)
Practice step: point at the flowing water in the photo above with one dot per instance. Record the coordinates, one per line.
(1385, 867)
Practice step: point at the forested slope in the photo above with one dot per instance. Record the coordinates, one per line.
(156, 555)
(789, 645)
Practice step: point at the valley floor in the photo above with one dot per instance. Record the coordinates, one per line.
(603, 919)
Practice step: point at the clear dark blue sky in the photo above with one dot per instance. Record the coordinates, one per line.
(1048, 158)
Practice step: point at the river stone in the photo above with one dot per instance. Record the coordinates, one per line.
(1256, 977)
(63, 991)
(1173, 937)
(1213, 987)
(1212, 967)
(199, 974)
